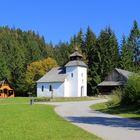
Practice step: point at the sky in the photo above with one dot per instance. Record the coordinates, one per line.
(59, 20)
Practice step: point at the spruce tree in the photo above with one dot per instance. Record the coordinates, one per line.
(134, 43)
(4, 71)
(108, 54)
(90, 43)
(126, 61)
(80, 39)
(89, 51)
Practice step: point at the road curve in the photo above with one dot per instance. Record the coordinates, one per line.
(108, 127)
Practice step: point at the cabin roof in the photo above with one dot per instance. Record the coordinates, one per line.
(5, 84)
(122, 72)
(111, 83)
(2, 82)
(56, 74)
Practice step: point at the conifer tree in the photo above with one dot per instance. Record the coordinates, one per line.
(126, 61)
(4, 71)
(80, 39)
(90, 44)
(89, 51)
(134, 43)
(107, 52)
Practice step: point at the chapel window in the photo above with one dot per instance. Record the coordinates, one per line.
(42, 88)
(50, 88)
(71, 74)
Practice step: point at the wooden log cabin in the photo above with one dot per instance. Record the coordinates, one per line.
(116, 79)
(6, 90)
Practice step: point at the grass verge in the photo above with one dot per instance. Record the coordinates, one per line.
(21, 121)
(64, 99)
(132, 112)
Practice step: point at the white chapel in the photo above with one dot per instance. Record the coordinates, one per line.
(67, 81)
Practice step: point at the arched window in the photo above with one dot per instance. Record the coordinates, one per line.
(42, 88)
(50, 88)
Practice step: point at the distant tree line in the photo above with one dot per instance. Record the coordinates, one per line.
(22, 52)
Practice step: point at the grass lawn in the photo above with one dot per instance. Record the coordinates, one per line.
(21, 121)
(131, 112)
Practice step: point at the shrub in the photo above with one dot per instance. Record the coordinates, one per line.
(131, 92)
(115, 97)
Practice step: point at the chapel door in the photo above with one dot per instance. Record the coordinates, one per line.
(82, 90)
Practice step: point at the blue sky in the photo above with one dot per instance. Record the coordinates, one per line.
(60, 19)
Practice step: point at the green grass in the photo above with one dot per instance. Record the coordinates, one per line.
(21, 121)
(131, 112)
(17, 100)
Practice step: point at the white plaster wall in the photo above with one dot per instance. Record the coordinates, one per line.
(58, 89)
(73, 81)
(82, 81)
(78, 80)
(66, 88)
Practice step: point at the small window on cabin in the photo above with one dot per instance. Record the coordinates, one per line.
(42, 88)
(50, 88)
(81, 74)
(0, 91)
(71, 74)
(10, 92)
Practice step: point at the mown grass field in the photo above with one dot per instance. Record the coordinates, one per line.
(132, 112)
(21, 121)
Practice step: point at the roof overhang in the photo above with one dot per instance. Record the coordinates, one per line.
(111, 83)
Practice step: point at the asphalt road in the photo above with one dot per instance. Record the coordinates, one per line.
(108, 127)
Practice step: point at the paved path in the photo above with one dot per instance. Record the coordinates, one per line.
(108, 127)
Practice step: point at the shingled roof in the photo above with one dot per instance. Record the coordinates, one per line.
(2, 82)
(76, 53)
(57, 74)
(76, 63)
(124, 73)
(111, 83)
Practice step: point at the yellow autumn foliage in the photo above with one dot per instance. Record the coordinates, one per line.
(38, 68)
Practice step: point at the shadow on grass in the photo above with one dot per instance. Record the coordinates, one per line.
(105, 121)
(132, 112)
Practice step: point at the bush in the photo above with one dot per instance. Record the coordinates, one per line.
(131, 92)
(115, 97)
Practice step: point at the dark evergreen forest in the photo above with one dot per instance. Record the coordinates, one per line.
(24, 56)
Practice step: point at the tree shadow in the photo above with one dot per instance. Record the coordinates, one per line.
(105, 121)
